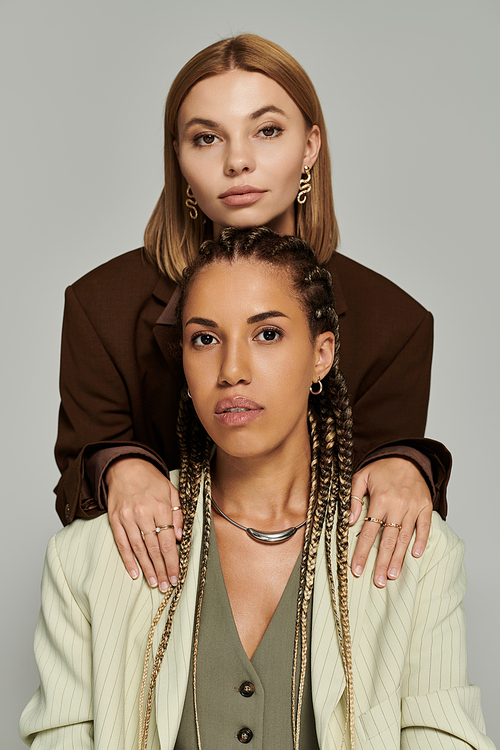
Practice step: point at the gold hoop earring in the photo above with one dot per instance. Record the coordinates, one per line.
(191, 203)
(318, 389)
(304, 186)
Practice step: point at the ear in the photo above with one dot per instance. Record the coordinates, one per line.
(324, 351)
(313, 145)
(176, 148)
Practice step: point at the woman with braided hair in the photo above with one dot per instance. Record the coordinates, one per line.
(267, 639)
(245, 145)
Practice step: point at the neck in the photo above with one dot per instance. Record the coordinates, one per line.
(268, 493)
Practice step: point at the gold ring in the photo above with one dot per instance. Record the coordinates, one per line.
(396, 525)
(355, 497)
(177, 507)
(376, 520)
(164, 528)
(145, 533)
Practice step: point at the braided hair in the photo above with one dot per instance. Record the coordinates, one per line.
(330, 430)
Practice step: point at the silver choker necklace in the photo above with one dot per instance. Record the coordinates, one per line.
(272, 537)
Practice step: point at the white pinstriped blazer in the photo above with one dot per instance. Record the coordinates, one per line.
(410, 682)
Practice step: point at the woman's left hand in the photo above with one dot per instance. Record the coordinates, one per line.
(398, 494)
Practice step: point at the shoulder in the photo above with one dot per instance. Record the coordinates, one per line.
(444, 552)
(82, 547)
(443, 546)
(124, 267)
(365, 289)
(117, 293)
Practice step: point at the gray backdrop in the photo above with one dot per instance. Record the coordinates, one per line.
(410, 93)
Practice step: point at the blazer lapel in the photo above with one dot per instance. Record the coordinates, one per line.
(327, 671)
(165, 330)
(174, 673)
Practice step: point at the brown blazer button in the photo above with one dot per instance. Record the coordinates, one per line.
(246, 689)
(66, 512)
(245, 735)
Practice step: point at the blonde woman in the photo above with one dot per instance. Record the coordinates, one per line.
(245, 145)
(267, 639)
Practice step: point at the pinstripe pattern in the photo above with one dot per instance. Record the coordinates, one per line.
(410, 684)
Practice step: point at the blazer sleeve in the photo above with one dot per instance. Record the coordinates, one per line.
(94, 414)
(60, 714)
(439, 708)
(392, 410)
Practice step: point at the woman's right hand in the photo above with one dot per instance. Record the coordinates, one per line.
(140, 498)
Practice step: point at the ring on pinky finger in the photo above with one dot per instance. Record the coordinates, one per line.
(359, 499)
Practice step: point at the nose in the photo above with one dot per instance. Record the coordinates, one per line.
(234, 365)
(239, 158)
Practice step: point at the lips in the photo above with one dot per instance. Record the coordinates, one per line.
(237, 411)
(241, 195)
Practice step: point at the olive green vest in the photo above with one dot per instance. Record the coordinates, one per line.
(242, 701)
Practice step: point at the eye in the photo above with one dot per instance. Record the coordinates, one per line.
(271, 131)
(204, 339)
(269, 334)
(205, 139)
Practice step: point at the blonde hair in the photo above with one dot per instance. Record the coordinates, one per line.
(330, 429)
(172, 238)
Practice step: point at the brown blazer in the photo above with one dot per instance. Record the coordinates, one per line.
(120, 379)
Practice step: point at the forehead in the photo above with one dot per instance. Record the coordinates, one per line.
(242, 288)
(238, 93)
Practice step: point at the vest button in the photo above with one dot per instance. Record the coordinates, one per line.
(246, 689)
(245, 735)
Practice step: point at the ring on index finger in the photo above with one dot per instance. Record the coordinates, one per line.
(164, 528)
(375, 520)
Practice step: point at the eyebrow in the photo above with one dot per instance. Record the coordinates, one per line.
(265, 315)
(253, 319)
(201, 121)
(202, 322)
(264, 110)
(253, 116)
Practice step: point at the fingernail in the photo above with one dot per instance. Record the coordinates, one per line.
(152, 581)
(134, 574)
(417, 552)
(163, 586)
(393, 573)
(173, 580)
(351, 517)
(357, 570)
(380, 581)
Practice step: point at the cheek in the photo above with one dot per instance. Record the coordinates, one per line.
(194, 170)
(192, 373)
(291, 377)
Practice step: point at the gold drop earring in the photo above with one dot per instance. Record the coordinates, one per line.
(191, 203)
(304, 186)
